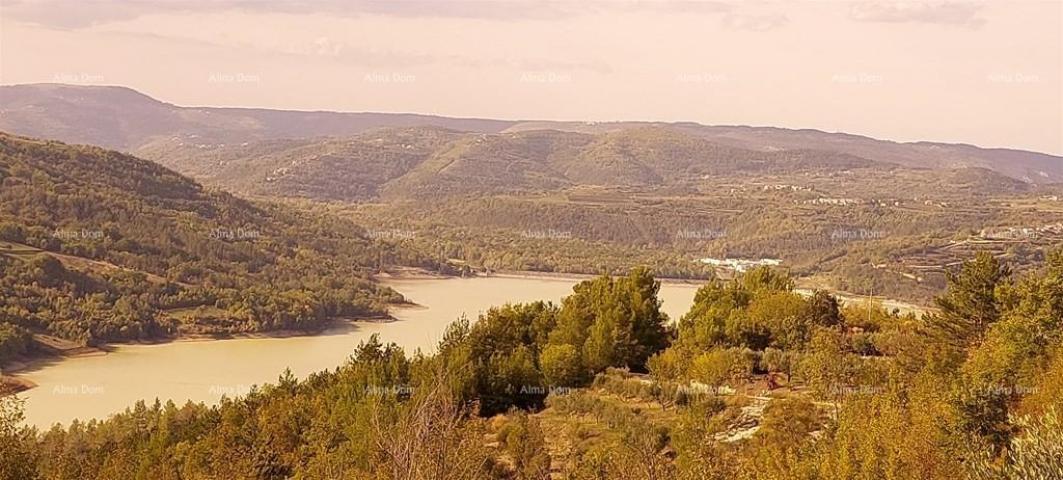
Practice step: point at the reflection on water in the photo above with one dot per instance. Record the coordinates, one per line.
(204, 371)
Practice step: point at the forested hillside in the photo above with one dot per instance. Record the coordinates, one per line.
(756, 382)
(431, 163)
(99, 246)
(1027, 166)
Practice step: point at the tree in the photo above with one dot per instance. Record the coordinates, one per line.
(523, 440)
(430, 438)
(720, 366)
(18, 457)
(970, 304)
(510, 379)
(562, 366)
(824, 310)
(779, 446)
(614, 322)
(1036, 454)
(827, 367)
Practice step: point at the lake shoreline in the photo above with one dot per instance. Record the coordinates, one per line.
(421, 274)
(806, 289)
(12, 385)
(11, 382)
(11, 373)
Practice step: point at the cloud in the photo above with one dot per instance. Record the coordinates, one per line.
(74, 14)
(956, 13)
(755, 22)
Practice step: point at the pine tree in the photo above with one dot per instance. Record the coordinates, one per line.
(970, 305)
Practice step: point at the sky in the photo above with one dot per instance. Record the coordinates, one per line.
(988, 73)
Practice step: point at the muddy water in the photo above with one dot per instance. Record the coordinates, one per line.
(204, 371)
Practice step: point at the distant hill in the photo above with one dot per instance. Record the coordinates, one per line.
(1031, 167)
(124, 119)
(428, 163)
(353, 168)
(357, 156)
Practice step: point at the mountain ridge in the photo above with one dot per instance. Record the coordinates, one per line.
(129, 121)
(419, 163)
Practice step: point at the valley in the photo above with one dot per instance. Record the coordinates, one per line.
(287, 293)
(847, 212)
(531, 240)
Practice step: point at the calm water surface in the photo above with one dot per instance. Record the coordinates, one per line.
(203, 371)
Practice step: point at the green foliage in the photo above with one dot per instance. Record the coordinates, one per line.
(383, 415)
(614, 322)
(695, 426)
(98, 246)
(970, 305)
(1036, 454)
(14, 340)
(721, 366)
(18, 455)
(901, 431)
(518, 353)
(524, 443)
(562, 366)
(756, 310)
(778, 448)
(829, 368)
(756, 324)
(774, 360)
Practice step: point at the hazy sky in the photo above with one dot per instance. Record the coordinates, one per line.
(987, 73)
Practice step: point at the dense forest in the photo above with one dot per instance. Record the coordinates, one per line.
(98, 246)
(754, 382)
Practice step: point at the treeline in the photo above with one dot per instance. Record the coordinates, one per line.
(516, 354)
(859, 248)
(98, 246)
(972, 391)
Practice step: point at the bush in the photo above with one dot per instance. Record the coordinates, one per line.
(863, 344)
(523, 440)
(562, 367)
(14, 340)
(669, 364)
(774, 360)
(718, 367)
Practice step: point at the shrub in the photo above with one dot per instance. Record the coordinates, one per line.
(561, 366)
(718, 367)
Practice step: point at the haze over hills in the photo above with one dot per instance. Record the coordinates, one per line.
(1028, 166)
(421, 163)
(121, 118)
(124, 119)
